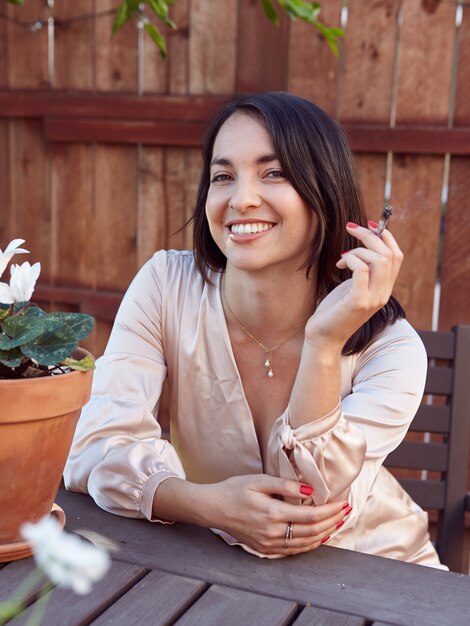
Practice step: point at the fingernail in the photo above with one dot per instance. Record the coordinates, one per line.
(340, 524)
(306, 490)
(372, 224)
(348, 511)
(325, 539)
(345, 252)
(352, 225)
(346, 505)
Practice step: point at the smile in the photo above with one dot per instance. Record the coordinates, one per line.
(249, 229)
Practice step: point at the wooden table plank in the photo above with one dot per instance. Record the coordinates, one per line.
(157, 599)
(329, 578)
(13, 575)
(66, 607)
(232, 607)
(311, 616)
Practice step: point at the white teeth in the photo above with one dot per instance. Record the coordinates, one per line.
(248, 229)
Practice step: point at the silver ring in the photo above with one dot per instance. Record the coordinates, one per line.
(289, 533)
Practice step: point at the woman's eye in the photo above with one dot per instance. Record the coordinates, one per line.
(276, 174)
(220, 178)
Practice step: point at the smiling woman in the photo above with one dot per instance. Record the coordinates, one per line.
(291, 369)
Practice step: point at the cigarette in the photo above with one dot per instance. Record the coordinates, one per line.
(386, 215)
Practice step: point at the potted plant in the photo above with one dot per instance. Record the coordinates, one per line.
(45, 379)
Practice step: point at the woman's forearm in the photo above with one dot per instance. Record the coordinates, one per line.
(178, 500)
(317, 386)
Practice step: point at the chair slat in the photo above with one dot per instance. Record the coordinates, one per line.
(431, 418)
(439, 345)
(429, 494)
(439, 381)
(419, 455)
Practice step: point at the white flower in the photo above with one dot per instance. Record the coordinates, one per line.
(22, 282)
(65, 558)
(10, 251)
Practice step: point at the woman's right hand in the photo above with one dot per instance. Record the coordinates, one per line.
(251, 510)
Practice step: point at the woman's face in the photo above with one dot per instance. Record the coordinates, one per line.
(255, 216)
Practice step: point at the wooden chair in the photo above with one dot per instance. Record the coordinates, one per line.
(448, 414)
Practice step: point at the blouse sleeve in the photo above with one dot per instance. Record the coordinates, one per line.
(117, 454)
(341, 453)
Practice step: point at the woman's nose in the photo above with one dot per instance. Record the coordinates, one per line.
(245, 196)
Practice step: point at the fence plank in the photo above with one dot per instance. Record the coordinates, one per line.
(116, 57)
(313, 69)
(416, 188)
(30, 196)
(153, 228)
(212, 48)
(259, 38)
(369, 54)
(3, 51)
(27, 50)
(425, 61)
(455, 295)
(73, 42)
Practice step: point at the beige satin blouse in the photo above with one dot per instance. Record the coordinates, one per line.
(171, 324)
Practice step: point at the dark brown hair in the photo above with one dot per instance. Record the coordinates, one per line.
(317, 160)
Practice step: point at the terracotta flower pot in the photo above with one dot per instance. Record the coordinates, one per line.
(38, 417)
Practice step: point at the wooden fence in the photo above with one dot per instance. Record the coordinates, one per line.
(99, 138)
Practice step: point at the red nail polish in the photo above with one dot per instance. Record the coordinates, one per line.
(345, 252)
(372, 224)
(306, 490)
(325, 539)
(348, 511)
(345, 506)
(340, 524)
(352, 225)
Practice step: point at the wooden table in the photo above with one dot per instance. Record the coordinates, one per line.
(185, 575)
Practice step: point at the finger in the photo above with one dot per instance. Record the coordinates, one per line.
(367, 237)
(374, 259)
(310, 514)
(318, 530)
(283, 487)
(360, 272)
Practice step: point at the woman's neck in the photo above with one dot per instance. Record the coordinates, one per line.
(268, 303)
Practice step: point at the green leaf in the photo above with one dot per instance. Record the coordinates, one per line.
(160, 8)
(270, 11)
(18, 2)
(18, 330)
(4, 312)
(80, 324)
(51, 347)
(121, 17)
(84, 365)
(11, 358)
(157, 38)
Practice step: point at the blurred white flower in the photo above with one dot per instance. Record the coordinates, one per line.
(22, 282)
(65, 558)
(10, 251)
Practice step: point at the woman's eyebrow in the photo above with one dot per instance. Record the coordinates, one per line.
(264, 158)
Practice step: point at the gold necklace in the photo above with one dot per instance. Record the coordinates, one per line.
(267, 362)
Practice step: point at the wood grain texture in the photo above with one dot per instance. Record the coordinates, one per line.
(372, 174)
(74, 46)
(116, 57)
(462, 96)
(175, 196)
(4, 50)
(115, 216)
(416, 198)
(426, 44)
(311, 616)
(152, 226)
(312, 68)
(66, 607)
(455, 291)
(27, 50)
(30, 192)
(5, 180)
(369, 55)
(233, 607)
(212, 48)
(158, 599)
(73, 252)
(258, 38)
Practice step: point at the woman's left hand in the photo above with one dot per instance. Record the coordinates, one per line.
(374, 266)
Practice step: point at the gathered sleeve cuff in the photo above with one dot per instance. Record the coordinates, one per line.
(327, 454)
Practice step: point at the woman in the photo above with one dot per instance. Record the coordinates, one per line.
(292, 372)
